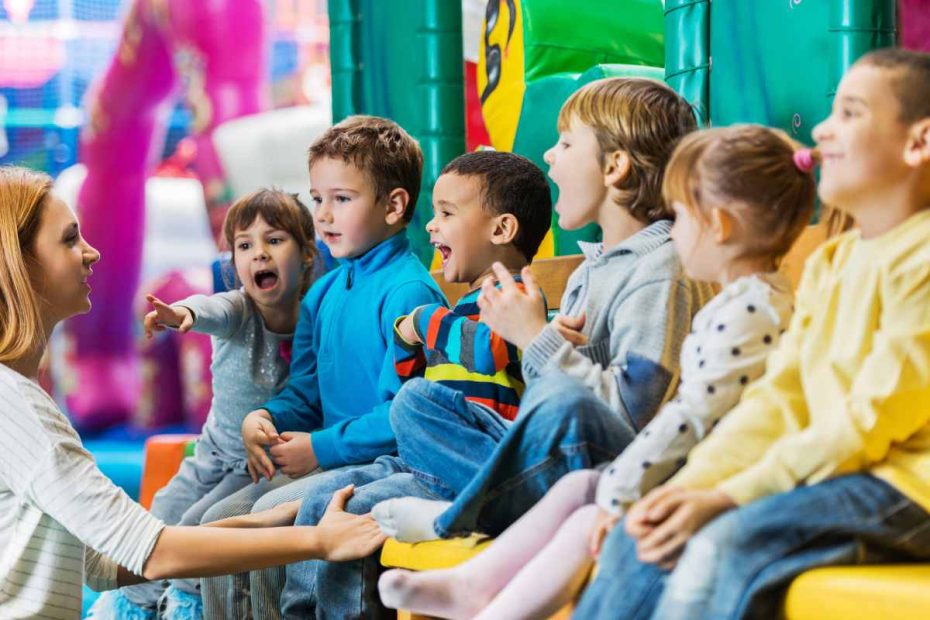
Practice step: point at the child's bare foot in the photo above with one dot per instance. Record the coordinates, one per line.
(440, 593)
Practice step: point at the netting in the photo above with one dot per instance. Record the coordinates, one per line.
(51, 51)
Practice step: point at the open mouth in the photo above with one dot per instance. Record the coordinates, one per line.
(266, 280)
(329, 237)
(444, 250)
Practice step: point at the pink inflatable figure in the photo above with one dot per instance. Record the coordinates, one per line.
(216, 50)
(175, 369)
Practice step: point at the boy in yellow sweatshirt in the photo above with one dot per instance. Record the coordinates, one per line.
(826, 460)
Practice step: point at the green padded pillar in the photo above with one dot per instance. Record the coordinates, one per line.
(687, 52)
(403, 60)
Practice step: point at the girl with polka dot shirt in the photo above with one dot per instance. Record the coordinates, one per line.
(741, 196)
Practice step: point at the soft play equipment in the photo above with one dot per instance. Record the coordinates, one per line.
(270, 149)
(403, 59)
(219, 49)
(175, 368)
(174, 380)
(530, 62)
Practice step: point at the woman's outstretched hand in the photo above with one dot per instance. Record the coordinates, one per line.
(346, 536)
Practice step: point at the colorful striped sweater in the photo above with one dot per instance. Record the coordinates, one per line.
(462, 353)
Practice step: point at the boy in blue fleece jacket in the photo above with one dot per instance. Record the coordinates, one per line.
(365, 176)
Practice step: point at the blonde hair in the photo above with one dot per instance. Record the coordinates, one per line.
(643, 118)
(23, 195)
(752, 166)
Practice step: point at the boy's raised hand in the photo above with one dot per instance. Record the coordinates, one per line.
(164, 316)
(516, 316)
(347, 536)
(665, 520)
(258, 431)
(294, 454)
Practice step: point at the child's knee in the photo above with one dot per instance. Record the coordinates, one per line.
(577, 487)
(224, 510)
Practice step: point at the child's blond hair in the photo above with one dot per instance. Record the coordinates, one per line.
(643, 118)
(23, 196)
(751, 171)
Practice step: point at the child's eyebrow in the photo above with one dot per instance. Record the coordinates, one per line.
(446, 203)
(853, 99)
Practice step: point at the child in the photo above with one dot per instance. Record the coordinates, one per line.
(598, 373)
(825, 459)
(488, 207)
(61, 520)
(740, 202)
(271, 237)
(365, 175)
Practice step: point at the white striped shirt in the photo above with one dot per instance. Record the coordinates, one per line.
(61, 519)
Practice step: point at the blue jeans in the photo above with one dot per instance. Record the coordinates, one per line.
(741, 563)
(345, 589)
(443, 439)
(204, 479)
(562, 426)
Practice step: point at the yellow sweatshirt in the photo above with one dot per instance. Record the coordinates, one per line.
(848, 388)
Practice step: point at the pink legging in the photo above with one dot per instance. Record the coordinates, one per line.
(217, 48)
(533, 569)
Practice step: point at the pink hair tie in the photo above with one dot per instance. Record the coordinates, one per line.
(804, 160)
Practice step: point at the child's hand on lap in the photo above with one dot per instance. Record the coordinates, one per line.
(294, 454)
(664, 521)
(407, 332)
(515, 315)
(164, 316)
(258, 431)
(348, 536)
(603, 524)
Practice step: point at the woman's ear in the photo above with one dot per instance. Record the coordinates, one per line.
(616, 167)
(721, 225)
(917, 148)
(396, 206)
(504, 229)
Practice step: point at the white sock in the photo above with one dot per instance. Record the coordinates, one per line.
(409, 519)
(438, 593)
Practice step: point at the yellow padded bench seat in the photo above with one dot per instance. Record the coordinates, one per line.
(432, 554)
(435, 554)
(899, 592)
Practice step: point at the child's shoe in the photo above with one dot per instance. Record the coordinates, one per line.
(113, 605)
(180, 605)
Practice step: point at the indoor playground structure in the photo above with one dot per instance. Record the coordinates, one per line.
(154, 114)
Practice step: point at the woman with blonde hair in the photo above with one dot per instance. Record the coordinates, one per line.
(62, 522)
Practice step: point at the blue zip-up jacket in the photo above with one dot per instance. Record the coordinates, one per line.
(342, 376)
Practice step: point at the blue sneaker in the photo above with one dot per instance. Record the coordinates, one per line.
(180, 605)
(113, 605)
